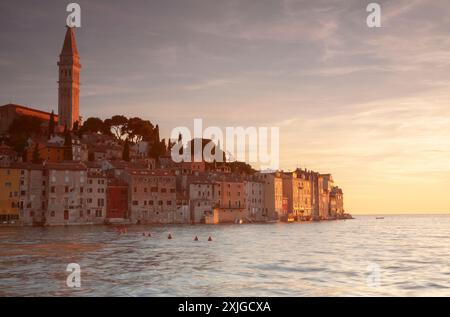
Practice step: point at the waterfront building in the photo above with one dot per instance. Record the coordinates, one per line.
(152, 196)
(201, 197)
(292, 190)
(33, 193)
(9, 194)
(336, 202)
(94, 198)
(273, 194)
(229, 198)
(66, 193)
(254, 199)
(325, 185)
(116, 200)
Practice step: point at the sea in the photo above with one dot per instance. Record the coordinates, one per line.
(390, 255)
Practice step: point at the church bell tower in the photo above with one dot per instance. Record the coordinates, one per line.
(69, 81)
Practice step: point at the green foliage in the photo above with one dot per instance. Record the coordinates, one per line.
(21, 129)
(92, 125)
(116, 125)
(240, 167)
(157, 149)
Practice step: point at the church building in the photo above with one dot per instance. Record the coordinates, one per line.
(68, 91)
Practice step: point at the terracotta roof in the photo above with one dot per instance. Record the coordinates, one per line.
(13, 105)
(147, 172)
(28, 166)
(65, 166)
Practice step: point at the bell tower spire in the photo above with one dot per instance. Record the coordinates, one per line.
(69, 81)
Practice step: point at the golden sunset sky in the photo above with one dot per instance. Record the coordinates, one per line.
(369, 105)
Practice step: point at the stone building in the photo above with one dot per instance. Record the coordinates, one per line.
(66, 193)
(152, 196)
(254, 199)
(9, 194)
(33, 193)
(229, 198)
(10, 111)
(201, 197)
(336, 202)
(116, 200)
(273, 194)
(292, 190)
(94, 200)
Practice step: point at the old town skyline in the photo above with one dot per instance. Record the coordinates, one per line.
(388, 138)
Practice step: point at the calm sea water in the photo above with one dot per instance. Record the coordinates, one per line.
(397, 255)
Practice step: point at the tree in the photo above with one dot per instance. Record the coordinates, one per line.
(76, 126)
(155, 136)
(21, 129)
(93, 125)
(157, 149)
(51, 125)
(200, 149)
(36, 157)
(67, 145)
(126, 151)
(116, 125)
(138, 130)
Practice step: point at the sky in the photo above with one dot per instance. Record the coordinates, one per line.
(369, 105)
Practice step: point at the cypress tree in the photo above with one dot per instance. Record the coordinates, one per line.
(51, 125)
(126, 151)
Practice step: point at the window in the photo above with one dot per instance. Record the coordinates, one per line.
(66, 189)
(52, 214)
(169, 203)
(66, 215)
(135, 203)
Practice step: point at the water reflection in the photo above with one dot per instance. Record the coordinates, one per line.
(307, 259)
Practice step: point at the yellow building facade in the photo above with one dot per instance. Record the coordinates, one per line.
(9, 194)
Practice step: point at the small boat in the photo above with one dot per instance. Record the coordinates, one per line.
(379, 218)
